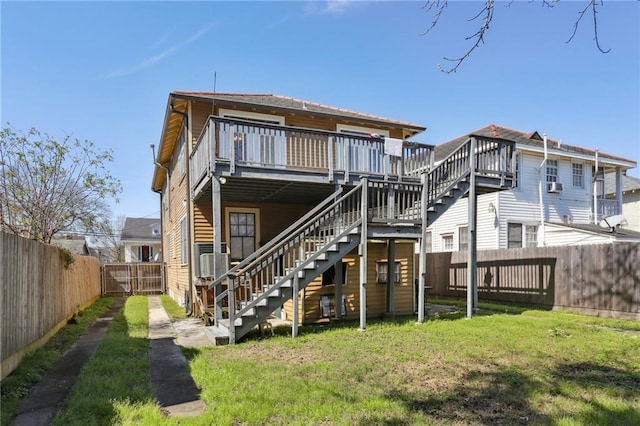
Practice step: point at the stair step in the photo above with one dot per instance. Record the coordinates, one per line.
(224, 323)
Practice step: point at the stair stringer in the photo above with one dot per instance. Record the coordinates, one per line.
(265, 303)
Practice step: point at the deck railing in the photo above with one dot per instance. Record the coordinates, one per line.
(244, 143)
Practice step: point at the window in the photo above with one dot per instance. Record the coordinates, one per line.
(184, 256)
(447, 242)
(514, 235)
(516, 184)
(180, 165)
(552, 171)
(382, 271)
(329, 276)
(145, 253)
(242, 234)
(577, 172)
(463, 238)
(252, 116)
(428, 242)
(531, 236)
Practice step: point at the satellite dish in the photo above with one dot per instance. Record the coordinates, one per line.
(612, 221)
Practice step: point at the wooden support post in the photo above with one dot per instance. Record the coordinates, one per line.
(472, 273)
(391, 276)
(619, 187)
(422, 268)
(363, 256)
(296, 306)
(216, 204)
(339, 277)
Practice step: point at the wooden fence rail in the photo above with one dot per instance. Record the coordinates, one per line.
(38, 295)
(597, 279)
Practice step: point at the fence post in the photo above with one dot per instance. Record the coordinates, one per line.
(472, 273)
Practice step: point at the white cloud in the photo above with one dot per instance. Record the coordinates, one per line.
(160, 56)
(330, 7)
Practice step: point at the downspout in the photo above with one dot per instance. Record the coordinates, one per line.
(190, 244)
(155, 162)
(540, 190)
(168, 179)
(595, 191)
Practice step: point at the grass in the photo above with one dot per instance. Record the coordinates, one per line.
(35, 364)
(506, 366)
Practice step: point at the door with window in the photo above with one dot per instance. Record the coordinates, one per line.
(242, 232)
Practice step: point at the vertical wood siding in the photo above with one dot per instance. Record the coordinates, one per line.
(38, 295)
(601, 279)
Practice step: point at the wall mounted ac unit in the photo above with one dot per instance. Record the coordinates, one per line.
(213, 265)
(207, 265)
(200, 249)
(554, 187)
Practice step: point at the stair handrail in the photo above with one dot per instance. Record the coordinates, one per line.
(440, 173)
(284, 236)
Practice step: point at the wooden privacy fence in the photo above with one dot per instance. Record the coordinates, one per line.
(132, 278)
(601, 279)
(38, 294)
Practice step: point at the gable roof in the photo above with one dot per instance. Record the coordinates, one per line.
(284, 103)
(532, 140)
(629, 183)
(76, 245)
(141, 229)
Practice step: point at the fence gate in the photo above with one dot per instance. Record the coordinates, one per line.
(132, 278)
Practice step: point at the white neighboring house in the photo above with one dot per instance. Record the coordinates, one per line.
(630, 198)
(553, 203)
(142, 240)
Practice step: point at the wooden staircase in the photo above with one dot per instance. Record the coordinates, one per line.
(252, 290)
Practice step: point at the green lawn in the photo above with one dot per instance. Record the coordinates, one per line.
(520, 367)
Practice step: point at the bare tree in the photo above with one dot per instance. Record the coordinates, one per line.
(47, 186)
(436, 9)
(107, 239)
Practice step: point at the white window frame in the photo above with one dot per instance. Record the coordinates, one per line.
(530, 231)
(574, 175)
(184, 238)
(428, 241)
(463, 232)
(552, 169)
(518, 171)
(447, 237)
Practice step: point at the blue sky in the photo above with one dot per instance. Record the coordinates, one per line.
(103, 70)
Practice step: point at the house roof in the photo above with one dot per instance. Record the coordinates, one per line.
(285, 103)
(591, 228)
(76, 245)
(178, 101)
(629, 183)
(527, 140)
(141, 229)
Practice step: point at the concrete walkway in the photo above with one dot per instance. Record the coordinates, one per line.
(41, 404)
(171, 380)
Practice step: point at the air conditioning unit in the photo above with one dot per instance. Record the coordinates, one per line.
(213, 265)
(554, 187)
(207, 265)
(200, 249)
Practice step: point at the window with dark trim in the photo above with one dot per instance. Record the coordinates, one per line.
(382, 272)
(514, 235)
